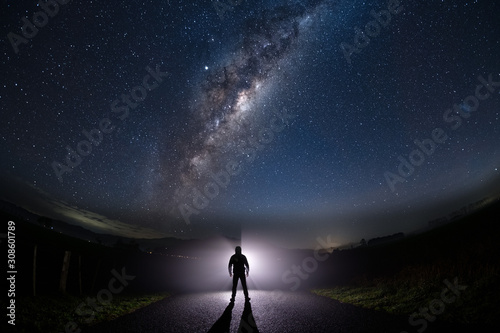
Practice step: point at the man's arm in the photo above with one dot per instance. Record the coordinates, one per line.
(229, 266)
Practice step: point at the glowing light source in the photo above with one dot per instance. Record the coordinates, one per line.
(266, 264)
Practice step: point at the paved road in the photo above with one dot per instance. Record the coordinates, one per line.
(268, 311)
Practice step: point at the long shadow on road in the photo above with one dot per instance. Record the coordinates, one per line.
(270, 311)
(223, 324)
(247, 322)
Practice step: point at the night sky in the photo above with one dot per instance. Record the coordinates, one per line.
(285, 119)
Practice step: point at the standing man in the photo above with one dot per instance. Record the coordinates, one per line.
(238, 264)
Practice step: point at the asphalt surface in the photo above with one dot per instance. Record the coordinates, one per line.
(268, 311)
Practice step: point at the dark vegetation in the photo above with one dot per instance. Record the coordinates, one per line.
(44, 307)
(405, 275)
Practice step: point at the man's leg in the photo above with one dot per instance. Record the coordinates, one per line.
(244, 285)
(235, 283)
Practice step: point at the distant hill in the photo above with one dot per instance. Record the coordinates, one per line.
(75, 230)
(460, 213)
(385, 239)
(167, 245)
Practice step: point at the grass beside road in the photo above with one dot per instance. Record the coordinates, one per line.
(402, 295)
(51, 313)
(376, 298)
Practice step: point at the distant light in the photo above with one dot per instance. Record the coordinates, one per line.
(206, 67)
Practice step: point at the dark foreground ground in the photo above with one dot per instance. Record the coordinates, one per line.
(268, 311)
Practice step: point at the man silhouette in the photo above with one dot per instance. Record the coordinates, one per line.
(239, 265)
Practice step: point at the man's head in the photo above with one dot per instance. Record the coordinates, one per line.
(237, 250)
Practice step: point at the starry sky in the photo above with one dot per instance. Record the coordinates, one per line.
(285, 119)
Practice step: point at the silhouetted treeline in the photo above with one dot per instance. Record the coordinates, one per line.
(385, 239)
(460, 248)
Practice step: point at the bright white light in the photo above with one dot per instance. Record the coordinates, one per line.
(265, 262)
(210, 269)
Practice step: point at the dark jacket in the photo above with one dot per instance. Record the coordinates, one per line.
(239, 263)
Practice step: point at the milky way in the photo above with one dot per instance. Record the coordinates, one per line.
(229, 79)
(224, 114)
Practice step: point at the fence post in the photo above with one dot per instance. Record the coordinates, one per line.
(80, 273)
(95, 275)
(64, 271)
(34, 270)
